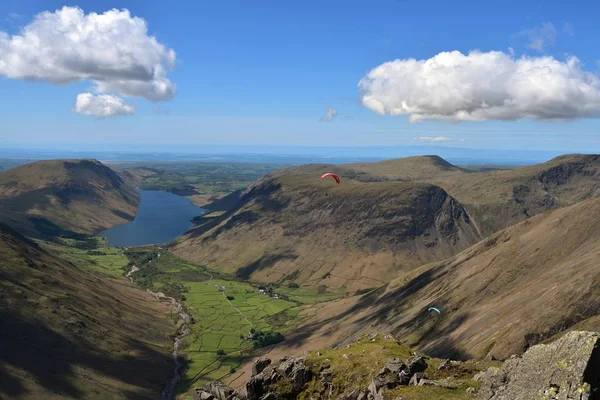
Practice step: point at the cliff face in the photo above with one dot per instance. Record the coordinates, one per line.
(296, 227)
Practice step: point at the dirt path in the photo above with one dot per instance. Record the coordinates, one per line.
(236, 309)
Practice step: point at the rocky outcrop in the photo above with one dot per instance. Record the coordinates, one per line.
(569, 368)
(216, 391)
(259, 365)
(288, 374)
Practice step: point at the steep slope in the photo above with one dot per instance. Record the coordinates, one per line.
(294, 227)
(499, 199)
(516, 288)
(69, 333)
(53, 197)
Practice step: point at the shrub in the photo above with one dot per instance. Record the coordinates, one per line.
(264, 339)
(220, 352)
(293, 285)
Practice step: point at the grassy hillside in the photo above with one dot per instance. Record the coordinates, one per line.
(518, 287)
(72, 333)
(293, 227)
(49, 198)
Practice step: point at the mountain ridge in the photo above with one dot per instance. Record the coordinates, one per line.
(49, 198)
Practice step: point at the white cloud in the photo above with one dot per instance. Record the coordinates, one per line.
(480, 86)
(330, 114)
(103, 105)
(113, 50)
(568, 29)
(434, 138)
(539, 37)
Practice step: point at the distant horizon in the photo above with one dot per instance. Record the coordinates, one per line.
(290, 154)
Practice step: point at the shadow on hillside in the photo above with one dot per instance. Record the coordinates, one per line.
(262, 263)
(385, 307)
(51, 358)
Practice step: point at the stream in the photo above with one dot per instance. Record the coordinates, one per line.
(168, 391)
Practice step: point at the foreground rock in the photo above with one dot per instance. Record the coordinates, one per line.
(216, 391)
(288, 375)
(569, 368)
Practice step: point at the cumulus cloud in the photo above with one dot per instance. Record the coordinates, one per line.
(113, 50)
(103, 105)
(539, 37)
(482, 86)
(330, 114)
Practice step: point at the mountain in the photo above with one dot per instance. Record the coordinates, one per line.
(292, 226)
(518, 287)
(67, 332)
(386, 217)
(49, 198)
(499, 199)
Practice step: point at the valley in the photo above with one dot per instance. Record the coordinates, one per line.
(290, 263)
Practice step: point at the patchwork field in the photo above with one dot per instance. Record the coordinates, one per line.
(226, 313)
(92, 253)
(223, 320)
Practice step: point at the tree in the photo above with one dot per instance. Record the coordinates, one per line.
(220, 352)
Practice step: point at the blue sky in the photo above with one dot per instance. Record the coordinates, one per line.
(263, 72)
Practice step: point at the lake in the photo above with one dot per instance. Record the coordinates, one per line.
(161, 217)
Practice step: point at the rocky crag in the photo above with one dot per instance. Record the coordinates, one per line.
(568, 368)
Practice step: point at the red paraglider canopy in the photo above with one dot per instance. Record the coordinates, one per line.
(334, 176)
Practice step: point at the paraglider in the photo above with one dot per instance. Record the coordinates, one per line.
(434, 309)
(334, 176)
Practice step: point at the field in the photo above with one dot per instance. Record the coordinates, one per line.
(221, 324)
(311, 295)
(92, 253)
(224, 312)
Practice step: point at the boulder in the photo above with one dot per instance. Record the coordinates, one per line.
(215, 391)
(416, 378)
(417, 364)
(568, 368)
(403, 378)
(221, 391)
(256, 386)
(442, 384)
(259, 365)
(300, 374)
(445, 364)
(395, 365)
(357, 394)
(383, 381)
(203, 394)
